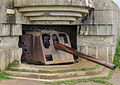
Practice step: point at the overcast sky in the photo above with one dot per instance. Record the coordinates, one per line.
(117, 2)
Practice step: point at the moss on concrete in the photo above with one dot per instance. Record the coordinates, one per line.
(3, 76)
(72, 82)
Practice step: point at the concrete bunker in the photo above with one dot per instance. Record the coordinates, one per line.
(18, 17)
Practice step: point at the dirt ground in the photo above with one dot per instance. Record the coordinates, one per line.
(115, 80)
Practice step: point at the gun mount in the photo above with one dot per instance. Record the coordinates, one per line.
(51, 47)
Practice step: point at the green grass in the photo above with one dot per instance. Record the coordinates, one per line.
(116, 61)
(96, 79)
(24, 70)
(3, 76)
(60, 71)
(118, 48)
(117, 55)
(72, 82)
(95, 67)
(100, 80)
(109, 74)
(42, 71)
(15, 63)
(84, 69)
(67, 82)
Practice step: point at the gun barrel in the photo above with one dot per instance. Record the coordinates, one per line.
(74, 52)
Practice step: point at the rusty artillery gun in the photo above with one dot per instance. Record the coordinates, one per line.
(51, 47)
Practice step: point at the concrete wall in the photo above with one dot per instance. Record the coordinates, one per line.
(119, 24)
(9, 35)
(97, 41)
(98, 38)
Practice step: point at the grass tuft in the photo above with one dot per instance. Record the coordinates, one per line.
(95, 67)
(117, 55)
(72, 82)
(84, 69)
(116, 61)
(67, 82)
(3, 76)
(109, 74)
(42, 71)
(15, 63)
(100, 80)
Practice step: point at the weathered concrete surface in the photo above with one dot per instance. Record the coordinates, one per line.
(79, 65)
(115, 80)
(107, 12)
(2, 60)
(17, 30)
(8, 56)
(48, 16)
(89, 83)
(52, 73)
(4, 16)
(3, 13)
(9, 42)
(104, 4)
(96, 29)
(99, 37)
(98, 40)
(102, 74)
(21, 82)
(19, 3)
(9, 35)
(54, 12)
(5, 30)
(31, 82)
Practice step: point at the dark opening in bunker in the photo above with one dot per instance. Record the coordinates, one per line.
(55, 38)
(64, 37)
(71, 31)
(46, 40)
(49, 57)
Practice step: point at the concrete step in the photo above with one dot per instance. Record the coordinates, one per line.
(46, 75)
(54, 68)
(102, 74)
(54, 75)
(81, 69)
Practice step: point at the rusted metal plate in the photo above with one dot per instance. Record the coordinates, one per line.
(26, 44)
(37, 50)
